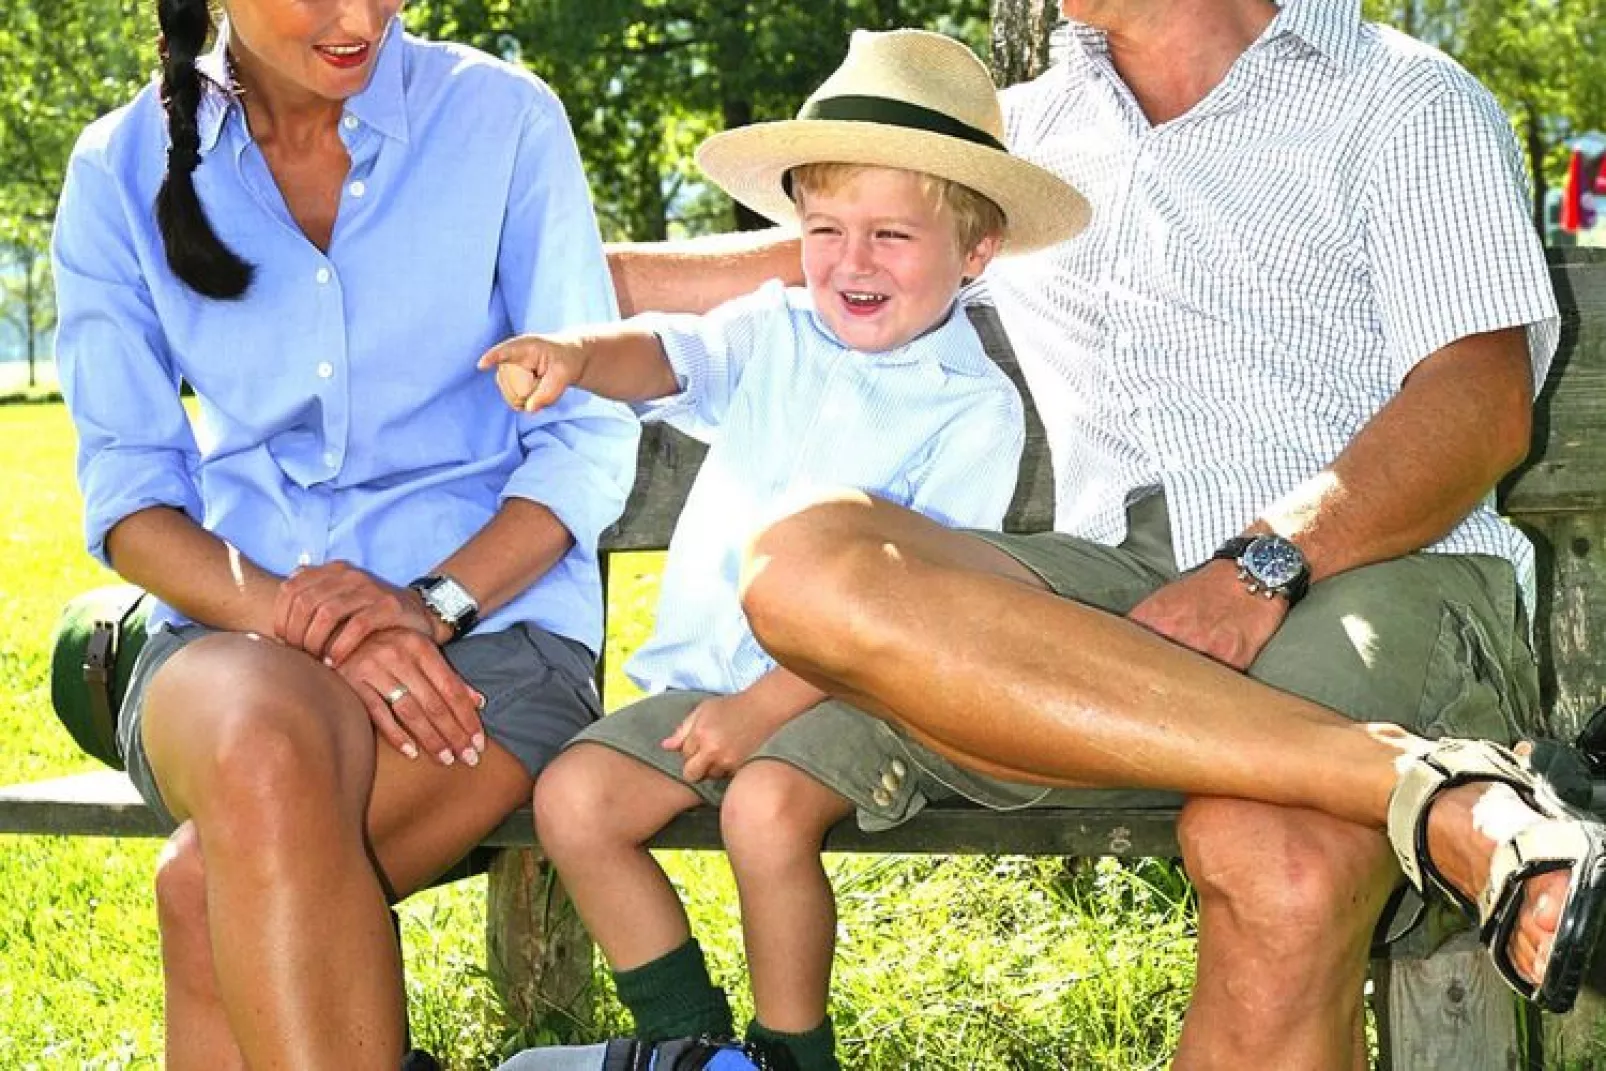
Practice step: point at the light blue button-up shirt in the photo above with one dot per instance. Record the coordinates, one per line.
(340, 412)
(789, 412)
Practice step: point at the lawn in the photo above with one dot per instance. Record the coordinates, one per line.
(944, 963)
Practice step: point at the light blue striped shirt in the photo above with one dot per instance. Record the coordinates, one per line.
(789, 411)
(340, 412)
(1262, 273)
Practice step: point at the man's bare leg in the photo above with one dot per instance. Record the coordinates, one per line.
(904, 618)
(1288, 900)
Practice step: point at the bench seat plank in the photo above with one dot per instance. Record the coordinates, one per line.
(104, 804)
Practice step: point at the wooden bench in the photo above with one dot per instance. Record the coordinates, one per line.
(1445, 1011)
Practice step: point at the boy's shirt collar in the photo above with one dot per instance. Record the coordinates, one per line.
(945, 344)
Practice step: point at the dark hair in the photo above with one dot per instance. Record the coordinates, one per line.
(194, 252)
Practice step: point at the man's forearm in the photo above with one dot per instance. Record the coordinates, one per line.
(698, 274)
(1461, 421)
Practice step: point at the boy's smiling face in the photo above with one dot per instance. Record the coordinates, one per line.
(881, 258)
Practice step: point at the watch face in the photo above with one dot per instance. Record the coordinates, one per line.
(451, 600)
(1273, 561)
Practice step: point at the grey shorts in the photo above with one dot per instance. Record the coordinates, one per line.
(1437, 643)
(538, 690)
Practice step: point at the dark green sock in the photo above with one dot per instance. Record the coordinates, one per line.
(813, 1050)
(673, 997)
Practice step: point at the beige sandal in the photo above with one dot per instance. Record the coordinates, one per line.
(1565, 839)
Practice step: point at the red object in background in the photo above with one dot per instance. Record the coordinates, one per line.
(1572, 209)
(1585, 193)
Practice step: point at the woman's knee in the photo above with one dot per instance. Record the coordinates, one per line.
(262, 754)
(774, 815)
(181, 882)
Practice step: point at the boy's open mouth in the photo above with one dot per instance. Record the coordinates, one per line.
(863, 300)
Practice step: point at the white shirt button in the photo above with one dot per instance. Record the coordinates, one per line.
(304, 558)
(358, 188)
(350, 122)
(323, 275)
(325, 370)
(330, 459)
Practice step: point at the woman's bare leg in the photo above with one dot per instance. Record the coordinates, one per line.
(276, 942)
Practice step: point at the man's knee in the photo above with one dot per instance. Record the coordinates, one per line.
(1289, 880)
(804, 575)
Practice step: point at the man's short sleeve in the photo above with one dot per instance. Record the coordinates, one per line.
(1451, 241)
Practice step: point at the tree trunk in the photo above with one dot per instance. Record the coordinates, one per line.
(1020, 38)
(30, 324)
(1536, 164)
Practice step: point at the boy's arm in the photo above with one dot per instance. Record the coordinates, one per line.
(723, 732)
(625, 363)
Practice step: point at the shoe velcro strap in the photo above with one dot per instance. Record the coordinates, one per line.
(1561, 844)
(1448, 764)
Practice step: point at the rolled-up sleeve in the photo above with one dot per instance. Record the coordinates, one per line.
(135, 445)
(580, 454)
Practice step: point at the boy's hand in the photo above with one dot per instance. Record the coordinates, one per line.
(721, 733)
(533, 371)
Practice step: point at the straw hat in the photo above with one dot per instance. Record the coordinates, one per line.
(907, 99)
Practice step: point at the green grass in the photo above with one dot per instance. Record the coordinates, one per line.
(944, 963)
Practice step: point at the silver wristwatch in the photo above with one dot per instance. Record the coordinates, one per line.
(449, 601)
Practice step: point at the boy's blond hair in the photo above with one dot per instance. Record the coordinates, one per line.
(975, 217)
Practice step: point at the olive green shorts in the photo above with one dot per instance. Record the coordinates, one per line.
(1436, 643)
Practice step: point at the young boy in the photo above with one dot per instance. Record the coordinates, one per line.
(870, 378)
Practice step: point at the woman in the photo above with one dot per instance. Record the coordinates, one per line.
(344, 219)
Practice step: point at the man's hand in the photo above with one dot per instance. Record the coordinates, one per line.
(721, 733)
(1209, 611)
(330, 610)
(533, 371)
(415, 698)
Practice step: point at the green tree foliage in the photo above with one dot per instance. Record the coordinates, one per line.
(646, 80)
(64, 63)
(1544, 59)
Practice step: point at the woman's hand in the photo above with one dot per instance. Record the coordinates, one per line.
(722, 732)
(415, 698)
(330, 610)
(533, 371)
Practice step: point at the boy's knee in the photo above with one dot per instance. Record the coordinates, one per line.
(569, 796)
(765, 818)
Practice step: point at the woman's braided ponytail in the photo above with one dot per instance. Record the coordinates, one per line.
(194, 251)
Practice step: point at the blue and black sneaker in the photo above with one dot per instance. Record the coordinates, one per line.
(677, 1054)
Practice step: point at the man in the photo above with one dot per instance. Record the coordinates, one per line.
(1309, 305)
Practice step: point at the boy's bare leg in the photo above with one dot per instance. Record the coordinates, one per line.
(932, 629)
(595, 810)
(774, 819)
